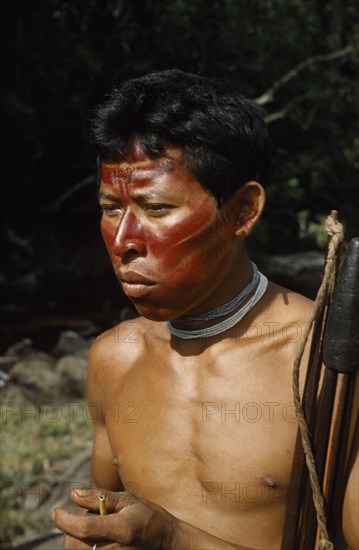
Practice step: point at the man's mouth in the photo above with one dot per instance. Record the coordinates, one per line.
(134, 284)
(133, 278)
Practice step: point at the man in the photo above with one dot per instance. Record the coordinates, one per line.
(194, 427)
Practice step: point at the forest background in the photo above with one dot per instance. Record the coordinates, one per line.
(297, 58)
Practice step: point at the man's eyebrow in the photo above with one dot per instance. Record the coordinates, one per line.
(108, 196)
(140, 195)
(152, 195)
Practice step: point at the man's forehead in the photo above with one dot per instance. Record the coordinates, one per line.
(126, 171)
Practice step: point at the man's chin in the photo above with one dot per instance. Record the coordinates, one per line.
(154, 314)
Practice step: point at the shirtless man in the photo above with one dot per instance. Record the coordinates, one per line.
(194, 429)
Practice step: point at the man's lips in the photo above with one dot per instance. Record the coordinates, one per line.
(132, 278)
(135, 285)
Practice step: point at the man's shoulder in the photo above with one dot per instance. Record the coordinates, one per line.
(124, 343)
(289, 305)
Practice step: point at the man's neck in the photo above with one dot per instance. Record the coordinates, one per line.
(223, 317)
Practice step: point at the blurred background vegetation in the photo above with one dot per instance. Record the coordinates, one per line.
(298, 58)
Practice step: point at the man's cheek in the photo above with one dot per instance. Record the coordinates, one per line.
(107, 235)
(182, 267)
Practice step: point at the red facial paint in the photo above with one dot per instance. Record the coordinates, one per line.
(168, 264)
(124, 174)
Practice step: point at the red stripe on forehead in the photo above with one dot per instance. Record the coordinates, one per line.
(125, 173)
(115, 174)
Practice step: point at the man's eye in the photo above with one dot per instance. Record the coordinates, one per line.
(158, 208)
(110, 210)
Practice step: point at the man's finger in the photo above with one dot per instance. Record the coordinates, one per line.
(76, 526)
(90, 498)
(93, 528)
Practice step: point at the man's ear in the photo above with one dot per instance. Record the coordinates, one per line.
(249, 201)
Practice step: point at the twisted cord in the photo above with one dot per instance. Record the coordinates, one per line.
(335, 233)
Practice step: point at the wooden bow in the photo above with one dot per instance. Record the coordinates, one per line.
(330, 417)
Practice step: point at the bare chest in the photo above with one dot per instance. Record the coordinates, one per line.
(218, 435)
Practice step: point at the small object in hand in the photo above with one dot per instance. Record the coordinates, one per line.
(102, 504)
(103, 512)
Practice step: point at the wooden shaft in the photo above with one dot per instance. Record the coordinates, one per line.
(334, 482)
(340, 355)
(320, 441)
(299, 473)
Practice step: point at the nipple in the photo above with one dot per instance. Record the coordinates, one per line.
(269, 481)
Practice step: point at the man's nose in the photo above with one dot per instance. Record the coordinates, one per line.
(129, 240)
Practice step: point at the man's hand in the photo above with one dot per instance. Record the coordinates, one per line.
(131, 522)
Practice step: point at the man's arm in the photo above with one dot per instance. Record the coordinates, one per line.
(103, 471)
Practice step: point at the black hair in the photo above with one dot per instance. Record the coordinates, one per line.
(222, 135)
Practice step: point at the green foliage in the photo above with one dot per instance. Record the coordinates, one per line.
(65, 56)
